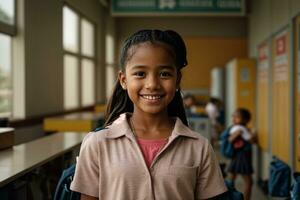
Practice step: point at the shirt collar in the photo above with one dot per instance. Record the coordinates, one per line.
(120, 127)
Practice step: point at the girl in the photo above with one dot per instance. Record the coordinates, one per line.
(146, 150)
(242, 137)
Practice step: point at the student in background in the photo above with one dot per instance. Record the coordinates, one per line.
(242, 139)
(189, 102)
(146, 150)
(212, 111)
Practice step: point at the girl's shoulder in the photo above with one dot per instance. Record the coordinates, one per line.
(96, 135)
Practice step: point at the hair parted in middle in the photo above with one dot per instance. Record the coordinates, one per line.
(119, 101)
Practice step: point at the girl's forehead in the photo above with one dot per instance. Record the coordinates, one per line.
(147, 46)
(148, 51)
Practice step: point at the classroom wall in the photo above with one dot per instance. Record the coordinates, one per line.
(268, 17)
(205, 53)
(265, 19)
(44, 53)
(205, 37)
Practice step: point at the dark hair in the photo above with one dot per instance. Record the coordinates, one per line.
(119, 101)
(244, 114)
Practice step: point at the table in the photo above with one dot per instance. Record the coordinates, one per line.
(23, 158)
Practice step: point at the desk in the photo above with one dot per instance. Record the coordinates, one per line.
(101, 108)
(23, 158)
(78, 122)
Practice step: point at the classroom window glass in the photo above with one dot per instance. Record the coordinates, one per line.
(70, 30)
(5, 75)
(87, 38)
(71, 82)
(7, 14)
(88, 82)
(79, 44)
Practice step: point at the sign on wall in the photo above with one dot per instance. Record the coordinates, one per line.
(178, 7)
(281, 57)
(263, 62)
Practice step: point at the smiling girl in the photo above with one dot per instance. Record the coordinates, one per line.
(146, 150)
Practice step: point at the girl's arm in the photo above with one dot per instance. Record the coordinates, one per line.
(253, 138)
(234, 135)
(87, 197)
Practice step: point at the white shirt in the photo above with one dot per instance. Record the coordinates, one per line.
(245, 132)
(212, 112)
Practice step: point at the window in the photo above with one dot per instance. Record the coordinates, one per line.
(79, 60)
(5, 75)
(7, 31)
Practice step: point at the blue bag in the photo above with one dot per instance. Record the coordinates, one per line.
(230, 194)
(63, 191)
(295, 192)
(227, 149)
(279, 179)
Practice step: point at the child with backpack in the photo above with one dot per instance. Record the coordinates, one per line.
(241, 139)
(146, 150)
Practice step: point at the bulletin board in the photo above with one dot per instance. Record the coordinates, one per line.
(263, 94)
(281, 89)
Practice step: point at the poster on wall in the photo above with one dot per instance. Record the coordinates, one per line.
(281, 57)
(263, 62)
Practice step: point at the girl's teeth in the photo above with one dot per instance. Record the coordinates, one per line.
(152, 97)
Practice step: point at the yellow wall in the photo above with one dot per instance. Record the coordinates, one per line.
(204, 53)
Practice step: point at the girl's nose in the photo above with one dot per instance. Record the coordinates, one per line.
(153, 83)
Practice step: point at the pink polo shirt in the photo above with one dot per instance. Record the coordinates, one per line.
(111, 166)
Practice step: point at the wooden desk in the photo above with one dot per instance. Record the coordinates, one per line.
(23, 158)
(78, 122)
(101, 108)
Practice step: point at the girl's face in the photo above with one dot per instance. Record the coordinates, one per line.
(236, 118)
(150, 78)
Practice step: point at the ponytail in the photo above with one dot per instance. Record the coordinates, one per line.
(118, 103)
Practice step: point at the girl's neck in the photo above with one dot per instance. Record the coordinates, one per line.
(152, 126)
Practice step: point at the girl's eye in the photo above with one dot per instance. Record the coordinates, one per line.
(139, 74)
(165, 74)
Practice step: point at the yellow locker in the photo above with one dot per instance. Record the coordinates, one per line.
(263, 95)
(240, 86)
(281, 96)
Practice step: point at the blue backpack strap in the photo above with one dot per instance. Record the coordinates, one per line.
(63, 191)
(227, 149)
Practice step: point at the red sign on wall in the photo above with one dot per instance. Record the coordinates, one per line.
(281, 45)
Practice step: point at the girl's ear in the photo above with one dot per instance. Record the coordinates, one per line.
(122, 79)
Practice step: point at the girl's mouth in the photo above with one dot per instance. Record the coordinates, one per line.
(152, 97)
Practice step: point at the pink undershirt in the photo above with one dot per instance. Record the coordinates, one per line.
(150, 148)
